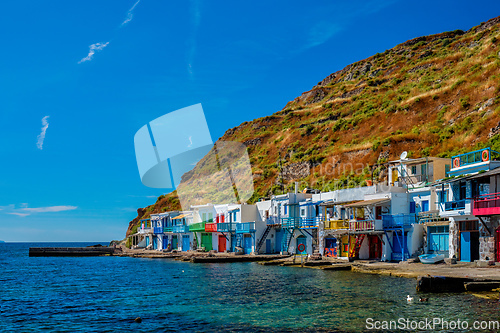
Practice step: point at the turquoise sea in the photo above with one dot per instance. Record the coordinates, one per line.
(106, 294)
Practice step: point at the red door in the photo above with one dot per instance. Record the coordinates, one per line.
(498, 244)
(375, 247)
(222, 243)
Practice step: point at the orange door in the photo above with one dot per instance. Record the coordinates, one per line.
(222, 243)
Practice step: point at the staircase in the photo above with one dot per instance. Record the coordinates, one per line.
(287, 238)
(263, 238)
(354, 252)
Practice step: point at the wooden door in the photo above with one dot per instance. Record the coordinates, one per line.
(222, 243)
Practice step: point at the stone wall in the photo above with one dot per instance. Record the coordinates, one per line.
(453, 238)
(487, 243)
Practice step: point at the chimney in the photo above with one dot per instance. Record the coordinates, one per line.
(296, 187)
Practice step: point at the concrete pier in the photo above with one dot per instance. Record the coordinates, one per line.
(70, 251)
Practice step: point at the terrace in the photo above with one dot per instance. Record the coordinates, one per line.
(290, 222)
(309, 222)
(197, 227)
(336, 224)
(487, 204)
(398, 220)
(362, 225)
(245, 227)
(180, 229)
(225, 227)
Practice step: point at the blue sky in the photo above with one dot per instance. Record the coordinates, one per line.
(241, 60)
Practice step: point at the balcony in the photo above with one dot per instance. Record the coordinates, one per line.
(290, 222)
(245, 227)
(336, 224)
(454, 205)
(145, 230)
(197, 227)
(488, 204)
(415, 179)
(471, 162)
(179, 229)
(363, 225)
(157, 230)
(211, 227)
(309, 222)
(398, 220)
(430, 216)
(167, 229)
(273, 220)
(226, 227)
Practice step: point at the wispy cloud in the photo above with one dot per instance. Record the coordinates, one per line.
(24, 211)
(196, 19)
(190, 141)
(41, 136)
(130, 14)
(92, 50)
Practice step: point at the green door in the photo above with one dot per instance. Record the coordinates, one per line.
(206, 241)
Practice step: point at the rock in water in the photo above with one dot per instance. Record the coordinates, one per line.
(138, 320)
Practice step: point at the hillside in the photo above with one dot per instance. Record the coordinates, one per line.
(436, 95)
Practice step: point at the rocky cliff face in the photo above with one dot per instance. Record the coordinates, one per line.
(434, 95)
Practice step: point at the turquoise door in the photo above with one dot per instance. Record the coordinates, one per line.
(174, 243)
(155, 243)
(301, 245)
(279, 239)
(465, 254)
(247, 244)
(185, 242)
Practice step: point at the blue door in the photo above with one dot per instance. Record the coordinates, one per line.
(185, 242)
(397, 245)
(465, 253)
(268, 246)
(301, 245)
(279, 238)
(247, 244)
(425, 206)
(155, 243)
(165, 242)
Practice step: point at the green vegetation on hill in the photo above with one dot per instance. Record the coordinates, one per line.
(436, 95)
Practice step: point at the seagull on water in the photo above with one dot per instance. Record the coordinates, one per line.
(409, 298)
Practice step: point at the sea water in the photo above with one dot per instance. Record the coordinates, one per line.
(106, 294)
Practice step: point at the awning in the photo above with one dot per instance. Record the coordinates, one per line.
(310, 203)
(181, 216)
(371, 202)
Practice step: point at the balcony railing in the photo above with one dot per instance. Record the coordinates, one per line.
(290, 222)
(454, 205)
(211, 227)
(226, 227)
(245, 227)
(488, 204)
(309, 222)
(336, 224)
(180, 229)
(472, 157)
(273, 220)
(197, 226)
(364, 225)
(415, 179)
(167, 229)
(430, 216)
(145, 230)
(399, 220)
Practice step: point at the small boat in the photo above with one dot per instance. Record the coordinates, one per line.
(431, 258)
